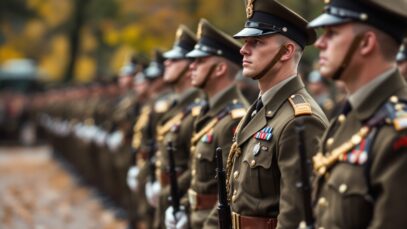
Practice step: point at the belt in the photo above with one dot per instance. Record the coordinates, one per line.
(200, 201)
(164, 177)
(249, 222)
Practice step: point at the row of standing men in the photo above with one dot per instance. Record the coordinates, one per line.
(361, 161)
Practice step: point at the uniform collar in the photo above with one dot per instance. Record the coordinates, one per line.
(269, 94)
(217, 102)
(370, 97)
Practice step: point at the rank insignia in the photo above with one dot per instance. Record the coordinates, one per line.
(249, 8)
(207, 138)
(264, 134)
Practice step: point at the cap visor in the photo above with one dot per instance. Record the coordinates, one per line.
(174, 54)
(401, 57)
(327, 20)
(252, 32)
(197, 54)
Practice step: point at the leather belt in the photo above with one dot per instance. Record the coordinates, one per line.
(249, 222)
(164, 177)
(200, 201)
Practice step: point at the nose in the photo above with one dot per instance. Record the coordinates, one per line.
(244, 50)
(167, 62)
(193, 64)
(320, 43)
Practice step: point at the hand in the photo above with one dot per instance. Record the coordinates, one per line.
(153, 193)
(179, 221)
(132, 181)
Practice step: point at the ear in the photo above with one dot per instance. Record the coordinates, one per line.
(289, 53)
(220, 69)
(368, 43)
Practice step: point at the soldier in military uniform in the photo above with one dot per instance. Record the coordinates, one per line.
(402, 59)
(176, 125)
(217, 60)
(264, 163)
(159, 101)
(362, 168)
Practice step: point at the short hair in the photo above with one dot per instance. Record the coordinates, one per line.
(388, 45)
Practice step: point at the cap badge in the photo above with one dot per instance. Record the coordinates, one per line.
(249, 8)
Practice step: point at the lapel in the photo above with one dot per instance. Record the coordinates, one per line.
(268, 111)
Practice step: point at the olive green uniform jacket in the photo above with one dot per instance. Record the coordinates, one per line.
(365, 187)
(213, 129)
(176, 126)
(266, 161)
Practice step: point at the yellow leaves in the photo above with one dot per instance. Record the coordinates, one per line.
(88, 41)
(53, 12)
(54, 62)
(34, 30)
(9, 52)
(85, 69)
(131, 33)
(120, 57)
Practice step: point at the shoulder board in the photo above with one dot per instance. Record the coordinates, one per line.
(237, 110)
(300, 105)
(397, 113)
(195, 107)
(161, 106)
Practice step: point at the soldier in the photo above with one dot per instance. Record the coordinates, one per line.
(176, 125)
(402, 59)
(362, 168)
(216, 63)
(159, 101)
(264, 163)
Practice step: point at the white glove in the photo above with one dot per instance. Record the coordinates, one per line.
(180, 221)
(115, 140)
(132, 181)
(153, 193)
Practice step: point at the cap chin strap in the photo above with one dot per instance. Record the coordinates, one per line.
(276, 58)
(180, 75)
(205, 81)
(348, 57)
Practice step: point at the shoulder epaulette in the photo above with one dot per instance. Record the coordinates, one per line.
(195, 107)
(237, 110)
(397, 113)
(161, 106)
(300, 105)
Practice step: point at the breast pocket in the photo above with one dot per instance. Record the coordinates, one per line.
(256, 169)
(349, 196)
(205, 155)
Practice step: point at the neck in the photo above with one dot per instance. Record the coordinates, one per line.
(217, 85)
(363, 73)
(181, 86)
(274, 77)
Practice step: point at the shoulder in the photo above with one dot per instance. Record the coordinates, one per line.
(303, 104)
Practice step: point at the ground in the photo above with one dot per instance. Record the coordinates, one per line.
(37, 192)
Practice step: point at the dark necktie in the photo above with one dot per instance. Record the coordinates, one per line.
(347, 107)
(258, 106)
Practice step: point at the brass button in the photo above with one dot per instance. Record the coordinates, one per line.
(322, 202)
(394, 99)
(193, 172)
(356, 139)
(199, 155)
(236, 175)
(192, 149)
(234, 197)
(329, 142)
(321, 227)
(252, 163)
(341, 118)
(343, 188)
(235, 192)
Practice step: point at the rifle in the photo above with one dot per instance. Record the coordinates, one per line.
(174, 197)
(305, 178)
(151, 148)
(225, 221)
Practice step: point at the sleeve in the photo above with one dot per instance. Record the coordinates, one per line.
(388, 178)
(291, 200)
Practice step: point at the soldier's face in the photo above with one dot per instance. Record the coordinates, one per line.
(173, 69)
(257, 53)
(333, 45)
(200, 68)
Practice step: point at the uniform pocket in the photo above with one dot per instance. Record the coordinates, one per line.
(349, 196)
